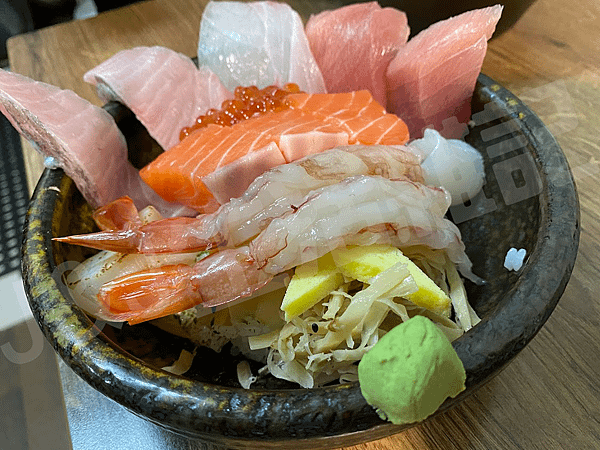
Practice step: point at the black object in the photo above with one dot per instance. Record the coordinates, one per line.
(51, 12)
(13, 197)
(422, 13)
(105, 5)
(15, 18)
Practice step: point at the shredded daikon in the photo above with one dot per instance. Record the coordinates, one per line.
(466, 316)
(244, 374)
(183, 363)
(325, 342)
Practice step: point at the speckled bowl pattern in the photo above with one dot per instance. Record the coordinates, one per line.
(529, 201)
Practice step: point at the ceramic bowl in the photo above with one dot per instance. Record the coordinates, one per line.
(529, 202)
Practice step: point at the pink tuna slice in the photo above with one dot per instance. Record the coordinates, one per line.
(163, 88)
(82, 137)
(431, 79)
(353, 46)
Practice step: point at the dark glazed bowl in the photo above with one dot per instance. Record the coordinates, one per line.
(529, 202)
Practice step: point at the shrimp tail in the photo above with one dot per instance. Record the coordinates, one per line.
(120, 214)
(149, 294)
(173, 235)
(122, 241)
(218, 279)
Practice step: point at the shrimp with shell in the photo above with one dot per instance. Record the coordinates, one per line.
(359, 210)
(270, 196)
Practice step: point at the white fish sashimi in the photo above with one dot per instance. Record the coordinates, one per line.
(257, 43)
(163, 88)
(82, 138)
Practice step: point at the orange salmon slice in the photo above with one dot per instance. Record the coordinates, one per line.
(365, 120)
(217, 163)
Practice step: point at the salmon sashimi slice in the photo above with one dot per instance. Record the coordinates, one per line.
(363, 118)
(362, 35)
(435, 89)
(198, 171)
(217, 163)
(156, 79)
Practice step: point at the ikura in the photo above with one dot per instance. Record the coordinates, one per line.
(247, 102)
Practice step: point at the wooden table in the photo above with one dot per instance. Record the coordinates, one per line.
(549, 397)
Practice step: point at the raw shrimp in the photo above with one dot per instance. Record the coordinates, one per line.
(360, 210)
(86, 279)
(220, 278)
(119, 214)
(122, 214)
(271, 195)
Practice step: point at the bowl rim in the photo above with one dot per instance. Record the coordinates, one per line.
(169, 400)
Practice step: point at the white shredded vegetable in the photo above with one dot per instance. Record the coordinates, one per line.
(183, 363)
(466, 316)
(244, 374)
(324, 343)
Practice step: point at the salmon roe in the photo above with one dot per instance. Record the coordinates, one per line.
(248, 101)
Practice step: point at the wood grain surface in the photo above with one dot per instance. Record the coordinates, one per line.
(549, 396)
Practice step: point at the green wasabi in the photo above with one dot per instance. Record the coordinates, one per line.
(409, 373)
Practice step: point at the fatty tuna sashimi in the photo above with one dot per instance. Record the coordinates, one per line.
(217, 163)
(163, 88)
(82, 137)
(434, 89)
(353, 46)
(257, 43)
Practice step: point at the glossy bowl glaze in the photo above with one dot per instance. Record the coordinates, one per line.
(529, 201)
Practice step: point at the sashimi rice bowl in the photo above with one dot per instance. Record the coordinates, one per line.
(307, 234)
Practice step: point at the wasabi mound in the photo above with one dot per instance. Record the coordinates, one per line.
(409, 373)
